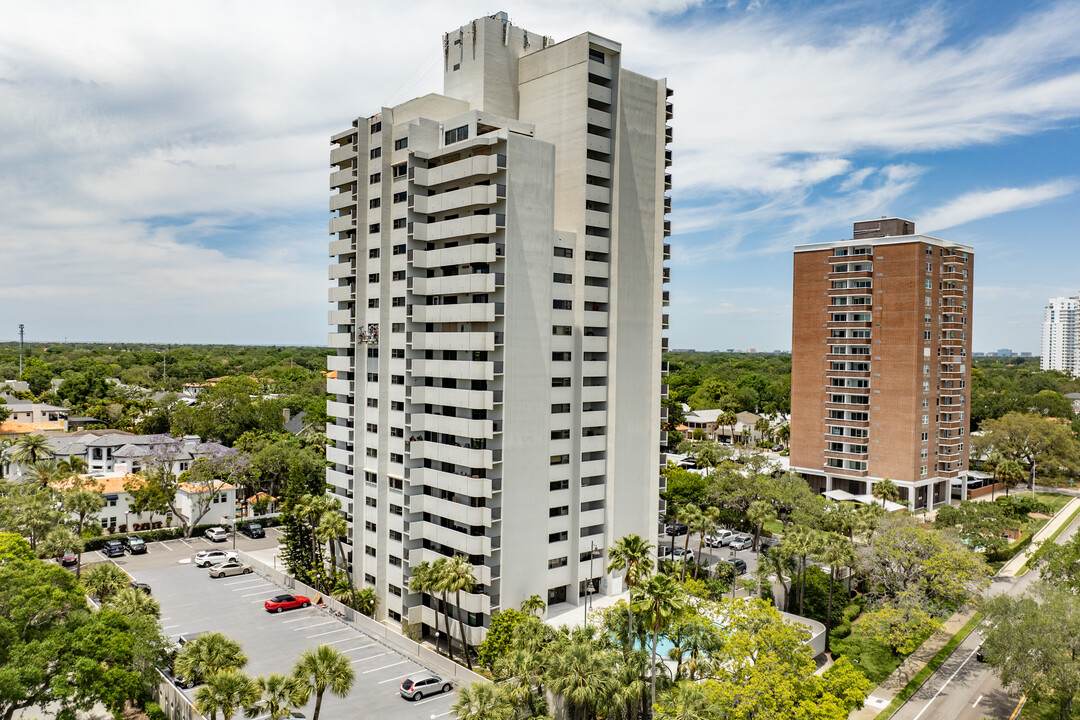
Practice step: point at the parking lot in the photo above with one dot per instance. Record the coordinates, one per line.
(713, 554)
(192, 602)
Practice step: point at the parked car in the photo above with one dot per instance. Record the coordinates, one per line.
(69, 559)
(251, 529)
(768, 542)
(722, 538)
(286, 602)
(206, 558)
(135, 544)
(216, 534)
(676, 529)
(742, 542)
(229, 567)
(419, 686)
(683, 554)
(139, 586)
(738, 563)
(113, 548)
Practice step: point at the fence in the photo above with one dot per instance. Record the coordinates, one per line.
(173, 702)
(376, 630)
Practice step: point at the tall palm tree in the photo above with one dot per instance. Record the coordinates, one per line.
(30, 450)
(886, 489)
(991, 465)
(869, 519)
(705, 523)
(835, 551)
(779, 561)
(59, 542)
(843, 517)
(208, 654)
(439, 584)
(43, 472)
(659, 598)
(1011, 473)
(422, 581)
(134, 603)
(759, 513)
(104, 579)
(728, 418)
(459, 576)
(483, 701)
(332, 527)
(311, 508)
(322, 669)
(801, 542)
(226, 691)
(73, 466)
(764, 428)
(278, 695)
(688, 515)
(784, 433)
(685, 700)
(83, 504)
(632, 554)
(518, 671)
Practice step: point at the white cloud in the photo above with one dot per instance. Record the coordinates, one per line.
(987, 203)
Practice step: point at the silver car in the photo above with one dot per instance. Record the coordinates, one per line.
(419, 686)
(230, 567)
(742, 542)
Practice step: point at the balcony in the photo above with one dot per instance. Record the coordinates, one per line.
(443, 424)
(339, 456)
(339, 433)
(473, 399)
(666, 298)
(342, 178)
(452, 482)
(460, 313)
(667, 251)
(450, 172)
(341, 154)
(458, 227)
(339, 340)
(599, 93)
(428, 616)
(342, 200)
(343, 246)
(461, 255)
(457, 284)
(457, 512)
(599, 118)
(341, 270)
(337, 386)
(339, 317)
(341, 293)
(477, 195)
(467, 341)
(340, 363)
(341, 224)
(459, 369)
(339, 409)
(483, 574)
(462, 542)
(597, 143)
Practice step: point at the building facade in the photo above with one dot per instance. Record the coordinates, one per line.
(497, 282)
(1061, 335)
(881, 347)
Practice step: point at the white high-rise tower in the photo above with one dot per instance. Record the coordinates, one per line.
(498, 283)
(1061, 335)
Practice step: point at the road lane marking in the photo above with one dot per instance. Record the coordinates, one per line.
(369, 657)
(399, 677)
(976, 701)
(384, 667)
(945, 684)
(328, 632)
(308, 627)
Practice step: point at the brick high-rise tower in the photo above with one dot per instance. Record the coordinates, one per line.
(881, 348)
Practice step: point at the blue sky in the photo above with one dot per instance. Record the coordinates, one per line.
(164, 167)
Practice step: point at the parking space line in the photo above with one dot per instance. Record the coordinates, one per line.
(186, 543)
(434, 717)
(308, 627)
(328, 632)
(358, 647)
(335, 642)
(169, 627)
(261, 592)
(384, 667)
(299, 619)
(166, 547)
(433, 697)
(399, 677)
(369, 657)
(245, 580)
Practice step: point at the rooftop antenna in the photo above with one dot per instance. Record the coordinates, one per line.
(21, 328)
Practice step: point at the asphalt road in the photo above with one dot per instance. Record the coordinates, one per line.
(963, 688)
(193, 602)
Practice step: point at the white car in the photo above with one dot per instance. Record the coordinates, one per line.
(216, 534)
(229, 567)
(206, 558)
(722, 538)
(683, 554)
(742, 542)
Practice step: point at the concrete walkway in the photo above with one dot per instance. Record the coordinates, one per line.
(883, 694)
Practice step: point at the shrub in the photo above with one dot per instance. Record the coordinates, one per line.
(154, 711)
(816, 600)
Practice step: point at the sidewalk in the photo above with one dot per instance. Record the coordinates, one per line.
(884, 693)
(1013, 567)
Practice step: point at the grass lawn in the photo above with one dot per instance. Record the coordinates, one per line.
(1057, 500)
(875, 660)
(1045, 710)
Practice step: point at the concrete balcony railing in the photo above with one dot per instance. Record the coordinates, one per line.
(461, 313)
(337, 386)
(341, 293)
(453, 482)
(341, 363)
(461, 255)
(339, 340)
(459, 369)
(339, 409)
(461, 542)
(339, 433)
(450, 172)
(476, 195)
(343, 223)
(341, 270)
(483, 574)
(598, 168)
(464, 456)
(342, 200)
(473, 399)
(458, 227)
(430, 617)
(339, 317)
(467, 341)
(451, 510)
(342, 177)
(456, 284)
(342, 246)
(339, 456)
(599, 93)
(443, 424)
(342, 154)
(599, 144)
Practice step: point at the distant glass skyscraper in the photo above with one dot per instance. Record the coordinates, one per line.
(498, 286)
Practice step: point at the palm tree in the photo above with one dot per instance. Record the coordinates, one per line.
(631, 553)
(459, 576)
(784, 433)
(991, 465)
(835, 551)
(728, 418)
(659, 598)
(44, 471)
(439, 585)
(685, 700)
(332, 527)
(322, 669)
(843, 518)
(226, 691)
(779, 561)
(59, 542)
(688, 516)
(886, 490)
(83, 504)
(534, 604)
(73, 466)
(705, 523)
(580, 671)
(759, 513)
(104, 579)
(869, 519)
(423, 580)
(208, 654)
(1011, 473)
(134, 603)
(801, 542)
(278, 695)
(30, 450)
(764, 428)
(520, 670)
(311, 508)
(483, 701)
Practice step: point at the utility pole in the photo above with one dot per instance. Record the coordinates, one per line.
(21, 328)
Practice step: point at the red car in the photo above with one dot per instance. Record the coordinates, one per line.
(286, 602)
